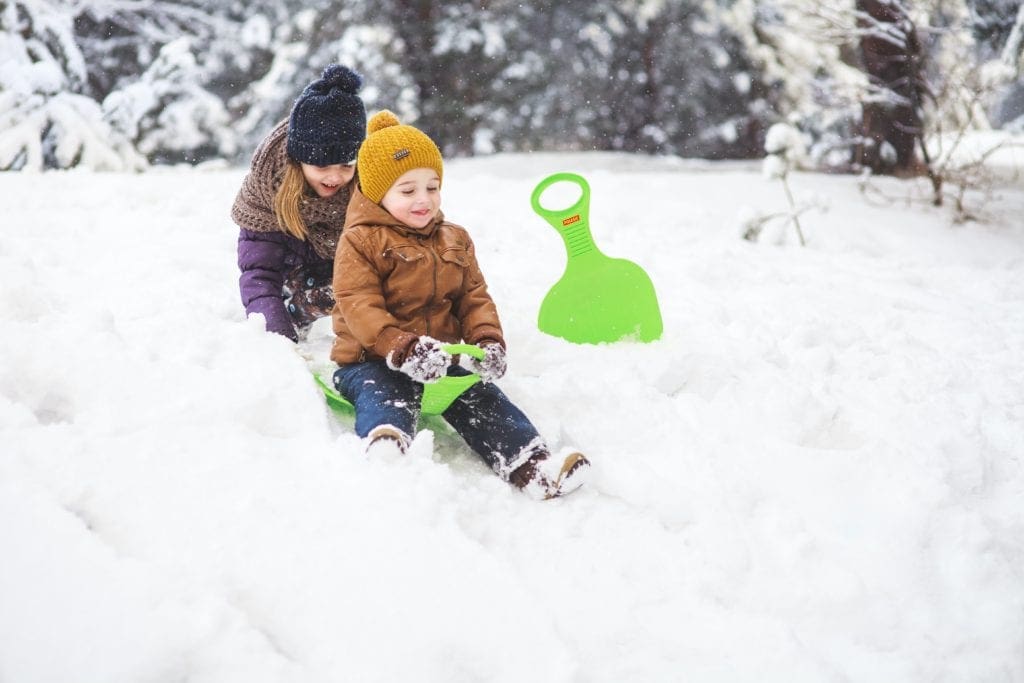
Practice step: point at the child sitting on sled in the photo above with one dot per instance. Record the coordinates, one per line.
(406, 282)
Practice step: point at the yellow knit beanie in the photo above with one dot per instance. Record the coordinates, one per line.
(389, 150)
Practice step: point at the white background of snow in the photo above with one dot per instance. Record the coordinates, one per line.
(816, 475)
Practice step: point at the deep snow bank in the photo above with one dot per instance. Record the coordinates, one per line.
(815, 475)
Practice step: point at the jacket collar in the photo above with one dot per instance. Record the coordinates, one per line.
(361, 211)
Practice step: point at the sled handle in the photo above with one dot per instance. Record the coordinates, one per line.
(468, 349)
(572, 223)
(558, 219)
(437, 396)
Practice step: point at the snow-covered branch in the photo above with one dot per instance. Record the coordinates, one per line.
(1014, 48)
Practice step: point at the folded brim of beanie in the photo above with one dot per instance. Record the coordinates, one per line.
(322, 155)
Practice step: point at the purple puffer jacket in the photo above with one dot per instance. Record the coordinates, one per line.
(284, 279)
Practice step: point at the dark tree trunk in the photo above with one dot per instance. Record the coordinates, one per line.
(891, 57)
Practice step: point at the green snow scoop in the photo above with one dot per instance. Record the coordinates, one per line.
(598, 298)
(437, 396)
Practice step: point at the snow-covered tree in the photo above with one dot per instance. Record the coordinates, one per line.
(870, 80)
(45, 119)
(167, 114)
(438, 63)
(99, 82)
(106, 82)
(892, 118)
(165, 70)
(998, 30)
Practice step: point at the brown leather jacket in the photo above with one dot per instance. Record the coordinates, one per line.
(393, 283)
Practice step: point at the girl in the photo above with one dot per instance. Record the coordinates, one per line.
(291, 207)
(406, 282)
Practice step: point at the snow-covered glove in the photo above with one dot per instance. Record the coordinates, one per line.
(492, 366)
(425, 362)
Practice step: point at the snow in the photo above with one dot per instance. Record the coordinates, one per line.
(815, 475)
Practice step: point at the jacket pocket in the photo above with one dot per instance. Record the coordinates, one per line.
(456, 256)
(405, 253)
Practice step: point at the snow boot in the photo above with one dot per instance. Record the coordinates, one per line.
(544, 476)
(386, 440)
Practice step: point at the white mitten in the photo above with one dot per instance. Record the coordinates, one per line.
(426, 362)
(492, 366)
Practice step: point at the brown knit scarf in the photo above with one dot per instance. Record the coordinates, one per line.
(254, 206)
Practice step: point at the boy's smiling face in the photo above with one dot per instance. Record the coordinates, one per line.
(415, 198)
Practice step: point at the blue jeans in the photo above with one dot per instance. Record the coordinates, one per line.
(483, 415)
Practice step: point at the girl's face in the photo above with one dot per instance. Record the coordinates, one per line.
(326, 180)
(415, 198)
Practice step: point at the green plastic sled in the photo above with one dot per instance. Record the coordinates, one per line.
(598, 298)
(437, 396)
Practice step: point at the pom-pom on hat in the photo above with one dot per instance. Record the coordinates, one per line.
(390, 149)
(328, 119)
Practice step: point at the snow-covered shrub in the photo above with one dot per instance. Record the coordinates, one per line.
(784, 151)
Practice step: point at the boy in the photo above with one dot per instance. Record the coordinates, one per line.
(406, 282)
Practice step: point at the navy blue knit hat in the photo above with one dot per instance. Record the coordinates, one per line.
(328, 120)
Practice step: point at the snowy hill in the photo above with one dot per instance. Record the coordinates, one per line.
(816, 475)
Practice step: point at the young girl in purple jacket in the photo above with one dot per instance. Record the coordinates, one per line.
(291, 207)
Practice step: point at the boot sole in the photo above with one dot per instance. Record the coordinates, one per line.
(574, 473)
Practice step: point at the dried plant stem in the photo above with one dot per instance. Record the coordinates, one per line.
(793, 213)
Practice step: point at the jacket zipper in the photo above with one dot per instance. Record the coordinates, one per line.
(433, 292)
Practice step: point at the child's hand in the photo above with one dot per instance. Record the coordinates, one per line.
(492, 366)
(426, 362)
